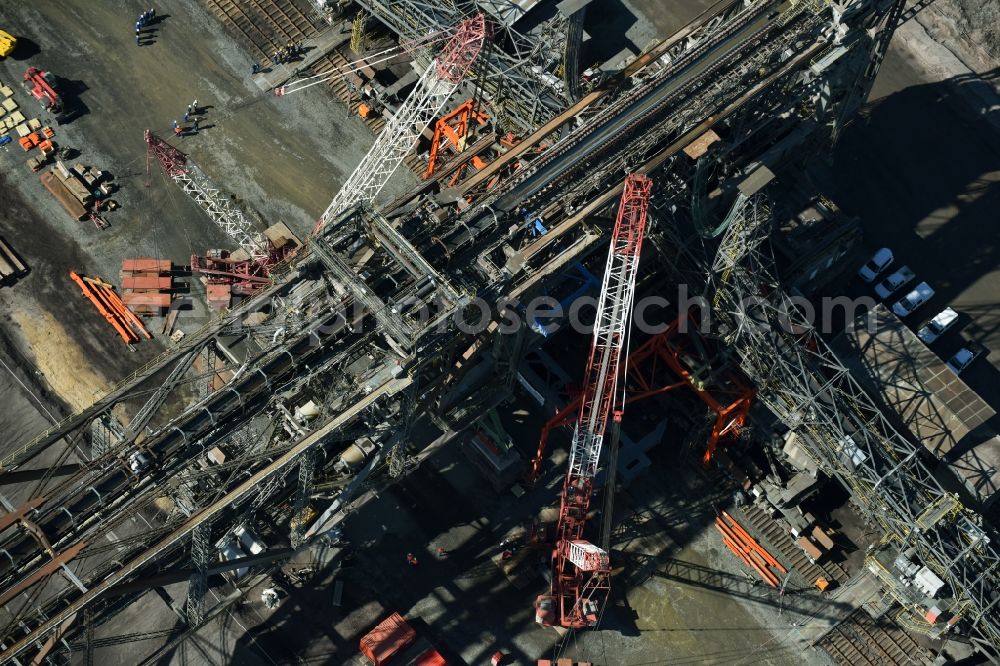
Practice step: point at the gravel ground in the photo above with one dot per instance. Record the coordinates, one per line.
(281, 157)
(970, 29)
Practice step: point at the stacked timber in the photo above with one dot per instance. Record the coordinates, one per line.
(147, 285)
(11, 266)
(57, 188)
(76, 188)
(72, 181)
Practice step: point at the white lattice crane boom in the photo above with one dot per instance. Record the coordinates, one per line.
(580, 569)
(432, 91)
(226, 214)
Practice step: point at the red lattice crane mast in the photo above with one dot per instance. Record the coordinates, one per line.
(580, 570)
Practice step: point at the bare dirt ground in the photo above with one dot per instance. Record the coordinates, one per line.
(283, 158)
(969, 28)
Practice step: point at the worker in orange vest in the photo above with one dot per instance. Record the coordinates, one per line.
(411, 559)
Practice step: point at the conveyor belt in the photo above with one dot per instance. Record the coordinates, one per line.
(575, 153)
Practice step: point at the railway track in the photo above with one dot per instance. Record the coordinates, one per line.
(861, 640)
(758, 522)
(230, 15)
(265, 25)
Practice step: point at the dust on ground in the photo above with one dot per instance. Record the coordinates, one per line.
(968, 28)
(281, 158)
(60, 360)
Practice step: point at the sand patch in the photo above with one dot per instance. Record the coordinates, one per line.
(61, 359)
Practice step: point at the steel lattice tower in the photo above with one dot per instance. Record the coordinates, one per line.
(435, 87)
(844, 432)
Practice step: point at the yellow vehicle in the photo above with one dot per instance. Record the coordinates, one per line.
(7, 43)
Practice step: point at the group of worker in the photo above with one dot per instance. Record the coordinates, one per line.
(291, 50)
(287, 54)
(193, 111)
(411, 559)
(145, 18)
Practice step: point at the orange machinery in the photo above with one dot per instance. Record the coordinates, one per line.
(728, 394)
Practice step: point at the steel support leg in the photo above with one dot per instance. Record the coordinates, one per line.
(200, 557)
(307, 468)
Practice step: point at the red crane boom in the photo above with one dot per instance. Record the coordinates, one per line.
(581, 570)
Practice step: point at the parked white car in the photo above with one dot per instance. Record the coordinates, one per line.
(894, 282)
(937, 326)
(880, 261)
(913, 300)
(964, 357)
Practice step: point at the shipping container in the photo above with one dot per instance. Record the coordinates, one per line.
(149, 299)
(146, 282)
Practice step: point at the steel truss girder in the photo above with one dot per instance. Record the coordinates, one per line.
(840, 426)
(394, 143)
(439, 80)
(201, 554)
(393, 327)
(146, 412)
(307, 470)
(514, 81)
(611, 329)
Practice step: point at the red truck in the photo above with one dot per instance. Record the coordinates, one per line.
(42, 86)
(394, 640)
